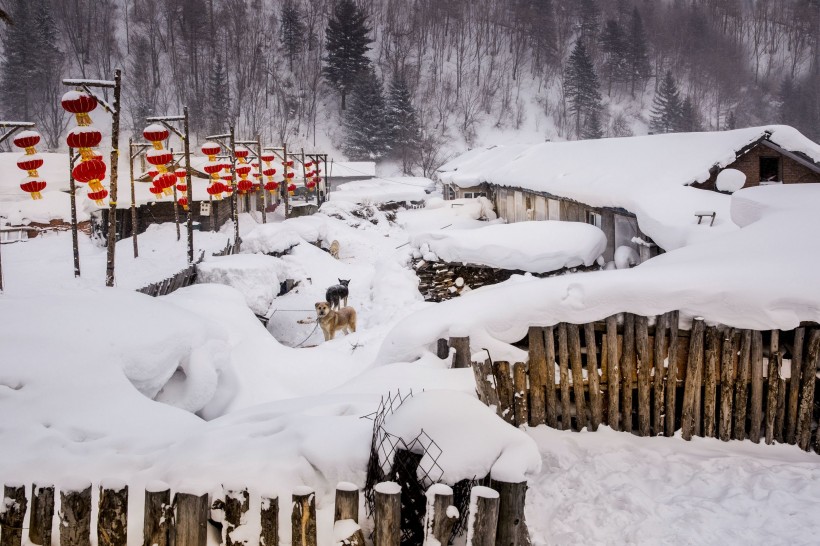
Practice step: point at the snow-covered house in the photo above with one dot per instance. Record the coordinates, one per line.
(644, 192)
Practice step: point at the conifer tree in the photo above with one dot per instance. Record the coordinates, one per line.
(581, 85)
(541, 30)
(614, 47)
(15, 68)
(688, 117)
(347, 42)
(402, 123)
(365, 123)
(592, 125)
(292, 31)
(219, 97)
(588, 14)
(637, 52)
(666, 107)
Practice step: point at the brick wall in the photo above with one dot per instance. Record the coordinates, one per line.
(791, 172)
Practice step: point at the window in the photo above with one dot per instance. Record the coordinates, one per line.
(769, 169)
(474, 194)
(13, 235)
(594, 218)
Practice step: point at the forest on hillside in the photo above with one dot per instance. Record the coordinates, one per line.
(431, 76)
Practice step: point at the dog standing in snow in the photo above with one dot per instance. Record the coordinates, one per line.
(332, 321)
(337, 294)
(334, 249)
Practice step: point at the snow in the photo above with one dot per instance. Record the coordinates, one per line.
(730, 180)
(383, 190)
(350, 169)
(538, 247)
(387, 488)
(270, 238)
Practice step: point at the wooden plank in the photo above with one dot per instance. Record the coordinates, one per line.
(613, 371)
(538, 376)
(482, 385)
(483, 519)
(13, 513)
(773, 382)
(520, 399)
(504, 387)
(726, 385)
(512, 525)
(692, 382)
(157, 515)
(574, 342)
(549, 358)
(658, 357)
(490, 388)
(672, 374)
(191, 528)
(807, 386)
(42, 514)
(461, 357)
(712, 359)
(794, 385)
(387, 515)
(75, 517)
(112, 515)
(303, 516)
(742, 385)
(756, 410)
(269, 520)
(644, 364)
(780, 416)
(563, 362)
(595, 401)
(628, 369)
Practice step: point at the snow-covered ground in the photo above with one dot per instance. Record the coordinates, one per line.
(191, 389)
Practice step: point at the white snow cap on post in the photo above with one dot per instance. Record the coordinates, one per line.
(730, 180)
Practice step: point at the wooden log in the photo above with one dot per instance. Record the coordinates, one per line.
(269, 515)
(481, 383)
(756, 410)
(191, 519)
(726, 385)
(520, 398)
(538, 376)
(574, 346)
(807, 386)
(504, 387)
(644, 365)
(303, 517)
(158, 515)
(780, 417)
(692, 383)
(112, 516)
(613, 371)
(347, 502)
(440, 515)
(672, 374)
(595, 408)
(658, 353)
(488, 382)
(461, 358)
(75, 516)
(237, 503)
(442, 347)
(512, 525)
(549, 357)
(42, 514)
(773, 382)
(794, 385)
(628, 368)
(387, 514)
(483, 519)
(742, 385)
(15, 504)
(711, 360)
(563, 363)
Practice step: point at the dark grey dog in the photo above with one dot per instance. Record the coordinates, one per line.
(337, 293)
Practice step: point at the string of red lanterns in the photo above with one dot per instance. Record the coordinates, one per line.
(30, 162)
(271, 185)
(84, 137)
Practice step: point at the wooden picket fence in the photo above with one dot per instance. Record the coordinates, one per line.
(644, 375)
(495, 516)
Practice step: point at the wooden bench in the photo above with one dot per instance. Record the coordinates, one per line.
(701, 214)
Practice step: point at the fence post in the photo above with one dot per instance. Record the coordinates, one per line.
(440, 516)
(483, 519)
(112, 517)
(387, 514)
(595, 409)
(773, 380)
(237, 503)
(15, 504)
(627, 369)
(726, 385)
(512, 527)
(538, 376)
(807, 391)
(442, 348)
(644, 363)
(346, 528)
(672, 374)
(75, 516)
(504, 387)
(42, 514)
(158, 518)
(303, 517)
(742, 384)
(269, 515)
(563, 364)
(549, 357)
(657, 355)
(574, 343)
(461, 358)
(794, 385)
(191, 520)
(520, 395)
(692, 383)
(613, 371)
(711, 360)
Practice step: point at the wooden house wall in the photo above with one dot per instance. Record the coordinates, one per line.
(791, 172)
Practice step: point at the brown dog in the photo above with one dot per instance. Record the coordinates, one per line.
(332, 321)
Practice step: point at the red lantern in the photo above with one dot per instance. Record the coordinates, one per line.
(152, 172)
(98, 196)
(244, 186)
(272, 187)
(309, 164)
(243, 169)
(241, 152)
(80, 104)
(228, 177)
(310, 186)
(84, 138)
(33, 186)
(30, 163)
(289, 175)
(165, 181)
(159, 158)
(182, 188)
(289, 163)
(215, 190)
(156, 191)
(90, 172)
(156, 133)
(212, 168)
(270, 171)
(211, 149)
(180, 173)
(183, 201)
(267, 157)
(27, 140)
(291, 189)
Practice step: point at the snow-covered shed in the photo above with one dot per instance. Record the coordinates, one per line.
(643, 189)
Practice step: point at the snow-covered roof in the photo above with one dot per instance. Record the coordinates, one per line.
(350, 169)
(383, 190)
(646, 175)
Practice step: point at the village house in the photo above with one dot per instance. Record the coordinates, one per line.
(645, 192)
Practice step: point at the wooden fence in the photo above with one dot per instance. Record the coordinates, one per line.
(186, 277)
(496, 516)
(653, 379)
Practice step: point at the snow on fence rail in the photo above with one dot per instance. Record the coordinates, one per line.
(493, 515)
(653, 379)
(183, 278)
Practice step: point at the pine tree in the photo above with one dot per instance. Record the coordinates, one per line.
(637, 54)
(292, 27)
(614, 47)
(347, 42)
(581, 85)
(592, 125)
(402, 123)
(219, 98)
(588, 15)
(731, 122)
(16, 66)
(666, 107)
(365, 121)
(688, 117)
(541, 30)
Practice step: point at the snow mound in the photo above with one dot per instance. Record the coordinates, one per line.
(384, 190)
(537, 247)
(256, 276)
(270, 239)
(312, 229)
(730, 180)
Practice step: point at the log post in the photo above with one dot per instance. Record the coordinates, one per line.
(660, 371)
(191, 519)
(158, 518)
(387, 514)
(563, 362)
(794, 385)
(780, 418)
(628, 369)
(512, 526)
(574, 343)
(483, 519)
(42, 514)
(11, 519)
(485, 381)
(237, 503)
(538, 376)
(520, 398)
(693, 368)
(549, 357)
(440, 516)
(644, 365)
(442, 348)
(347, 502)
(756, 414)
(742, 385)
(75, 516)
(613, 371)
(461, 358)
(504, 387)
(269, 515)
(710, 382)
(726, 385)
(773, 381)
(672, 374)
(303, 517)
(807, 386)
(112, 517)
(594, 381)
